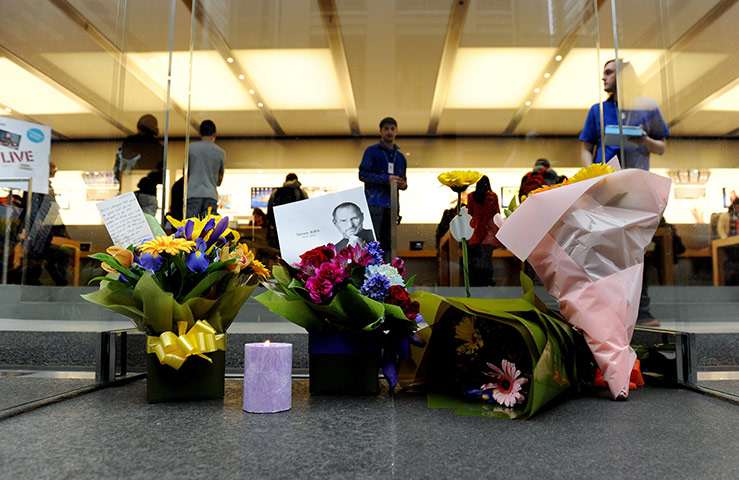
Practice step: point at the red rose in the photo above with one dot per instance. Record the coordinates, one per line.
(398, 295)
(411, 310)
(312, 259)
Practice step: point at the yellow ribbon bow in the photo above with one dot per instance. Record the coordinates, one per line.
(173, 349)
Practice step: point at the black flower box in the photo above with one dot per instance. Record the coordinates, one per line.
(197, 379)
(343, 364)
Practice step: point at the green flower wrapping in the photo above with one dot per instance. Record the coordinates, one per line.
(500, 358)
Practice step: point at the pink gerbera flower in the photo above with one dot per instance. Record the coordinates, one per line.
(507, 385)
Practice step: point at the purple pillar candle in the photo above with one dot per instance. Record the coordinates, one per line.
(267, 377)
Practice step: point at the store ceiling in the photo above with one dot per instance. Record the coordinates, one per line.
(91, 68)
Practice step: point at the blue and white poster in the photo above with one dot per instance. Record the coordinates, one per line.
(24, 152)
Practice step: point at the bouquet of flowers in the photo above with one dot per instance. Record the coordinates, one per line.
(350, 291)
(586, 239)
(504, 358)
(183, 290)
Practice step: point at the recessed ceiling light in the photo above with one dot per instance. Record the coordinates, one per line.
(241, 77)
(558, 58)
(537, 90)
(7, 109)
(152, 60)
(230, 60)
(528, 103)
(547, 75)
(251, 91)
(260, 104)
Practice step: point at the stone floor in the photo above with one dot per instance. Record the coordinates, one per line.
(114, 433)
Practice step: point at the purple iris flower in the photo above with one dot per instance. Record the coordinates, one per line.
(217, 231)
(185, 231)
(197, 261)
(150, 262)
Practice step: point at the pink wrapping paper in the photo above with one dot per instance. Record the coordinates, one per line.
(586, 241)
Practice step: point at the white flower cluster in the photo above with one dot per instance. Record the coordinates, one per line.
(387, 270)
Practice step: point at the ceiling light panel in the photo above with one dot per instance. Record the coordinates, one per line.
(214, 85)
(728, 102)
(293, 79)
(25, 93)
(494, 77)
(573, 85)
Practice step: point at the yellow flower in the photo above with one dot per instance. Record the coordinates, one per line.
(166, 244)
(594, 170)
(119, 254)
(459, 178)
(544, 189)
(466, 331)
(244, 257)
(260, 269)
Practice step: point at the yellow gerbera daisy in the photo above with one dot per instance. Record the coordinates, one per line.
(459, 178)
(466, 331)
(166, 244)
(594, 170)
(260, 269)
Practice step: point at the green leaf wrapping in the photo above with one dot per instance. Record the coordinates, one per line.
(550, 342)
(155, 311)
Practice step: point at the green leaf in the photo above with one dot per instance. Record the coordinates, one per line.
(206, 283)
(104, 257)
(218, 265)
(410, 281)
(282, 275)
(156, 228)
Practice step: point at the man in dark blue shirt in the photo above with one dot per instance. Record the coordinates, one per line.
(383, 167)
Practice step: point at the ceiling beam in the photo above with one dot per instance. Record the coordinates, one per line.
(70, 88)
(567, 43)
(712, 84)
(120, 58)
(224, 49)
(452, 39)
(26, 118)
(341, 67)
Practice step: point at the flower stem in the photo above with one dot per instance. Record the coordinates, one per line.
(466, 268)
(465, 262)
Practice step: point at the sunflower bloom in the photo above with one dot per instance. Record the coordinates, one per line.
(466, 332)
(594, 170)
(166, 244)
(459, 178)
(121, 255)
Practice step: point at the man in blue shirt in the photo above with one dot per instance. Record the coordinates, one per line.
(383, 167)
(642, 113)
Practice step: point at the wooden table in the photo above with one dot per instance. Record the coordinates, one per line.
(717, 255)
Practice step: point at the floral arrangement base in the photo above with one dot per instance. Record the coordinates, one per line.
(343, 364)
(197, 379)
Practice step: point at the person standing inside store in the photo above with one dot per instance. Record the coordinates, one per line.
(206, 161)
(383, 167)
(482, 205)
(635, 111)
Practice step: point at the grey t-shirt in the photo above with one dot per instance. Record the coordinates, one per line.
(206, 160)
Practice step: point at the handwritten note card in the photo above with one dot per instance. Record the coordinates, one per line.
(124, 220)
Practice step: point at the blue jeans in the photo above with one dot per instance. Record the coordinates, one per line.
(381, 223)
